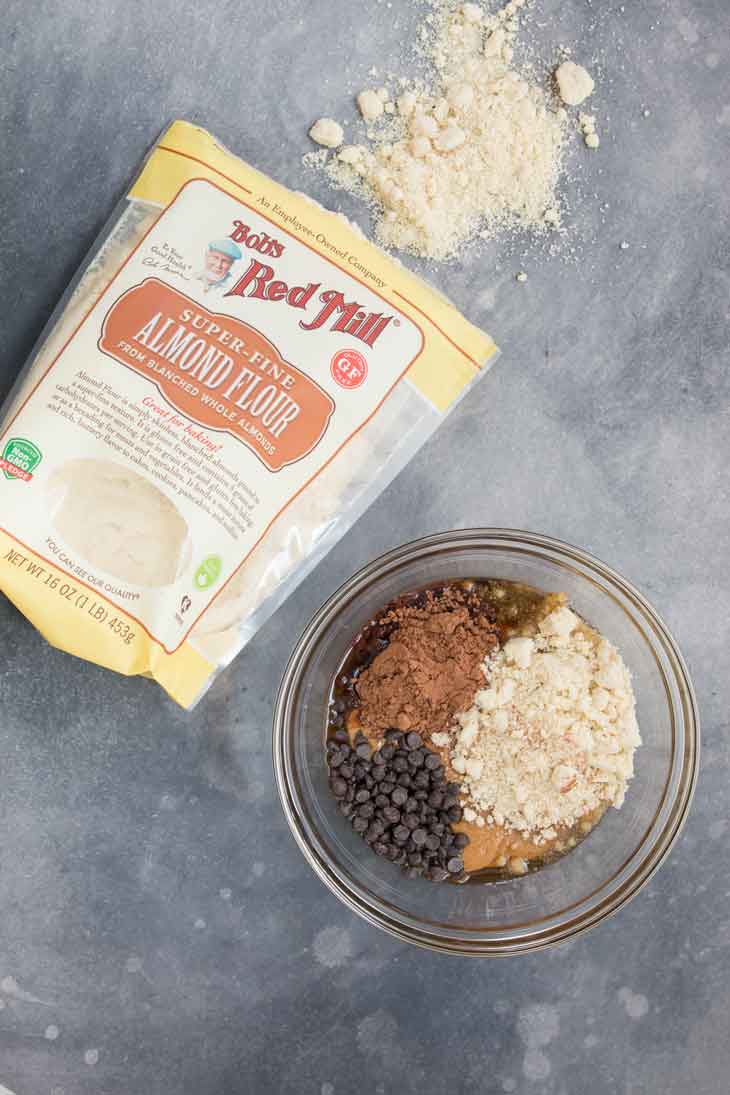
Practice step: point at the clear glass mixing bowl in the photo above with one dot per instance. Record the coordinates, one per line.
(562, 899)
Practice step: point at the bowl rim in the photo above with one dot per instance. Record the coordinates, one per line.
(678, 806)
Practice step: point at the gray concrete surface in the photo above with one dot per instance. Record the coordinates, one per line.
(154, 912)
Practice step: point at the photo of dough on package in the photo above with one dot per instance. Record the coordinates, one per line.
(232, 377)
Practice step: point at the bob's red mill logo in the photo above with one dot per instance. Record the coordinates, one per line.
(260, 281)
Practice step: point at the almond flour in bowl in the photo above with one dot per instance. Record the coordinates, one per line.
(569, 894)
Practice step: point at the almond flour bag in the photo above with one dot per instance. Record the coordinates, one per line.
(235, 375)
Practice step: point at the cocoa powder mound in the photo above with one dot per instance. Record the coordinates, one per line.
(431, 668)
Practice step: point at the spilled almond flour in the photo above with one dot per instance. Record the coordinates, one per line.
(473, 152)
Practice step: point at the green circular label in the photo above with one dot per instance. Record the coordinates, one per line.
(208, 572)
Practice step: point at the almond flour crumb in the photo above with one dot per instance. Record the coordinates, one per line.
(574, 83)
(327, 132)
(552, 738)
(370, 105)
(478, 152)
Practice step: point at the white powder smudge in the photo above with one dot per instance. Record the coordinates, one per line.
(536, 1065)
(635, 1003)
(91, 1057)
(590, 1041)
(133, 964)
(538, 1024)
(688, 30)
(200, 925)
(377, 1034)
(10, 987)
(508, 1084)
(717, 828)
(723, 117)
(332, 946)
(327, 1089)
(712, 60)
(6, 1091)
(225, 894)
(258, 869)
(51, 1032)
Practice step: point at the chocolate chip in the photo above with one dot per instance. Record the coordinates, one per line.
(422, 779)
(435, 799)
(400, 763)
(341, 736)
(381, 849)
(339, 787)
(438, 874)
(400, 834)
(347, 771)
(461, 840)
(346, 808)
(391, 814)
(415, 859)
(336, 759)
(387, 752)
(416, 758)
(414, 740)
(382, 800)
(455, 865)
(367, 810)
(420, 795)
(419, 837)
(387, 786)
(362, 796)
(452, 789)
(378, 758)
(359, 771)
(411, 821)
(450, 800)
(404, 780)
(455, 813)
(432, 762)
(411, 804)
(360, 824)
(399, 796)
(379, 773)
(363, 750)
(432, 842)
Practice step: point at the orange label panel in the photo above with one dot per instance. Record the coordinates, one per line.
(218, 371)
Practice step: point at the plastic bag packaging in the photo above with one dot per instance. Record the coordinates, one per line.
(233, 376)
